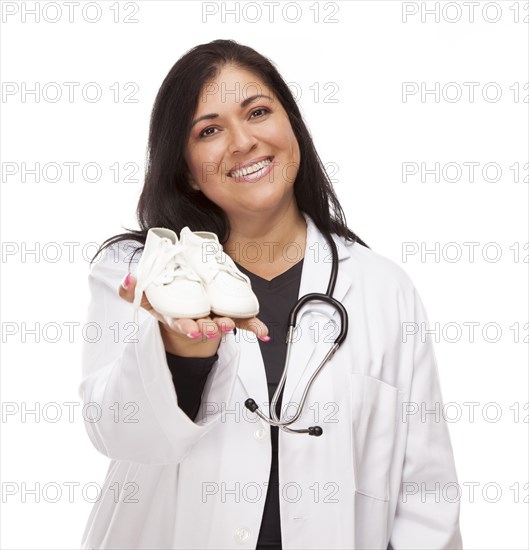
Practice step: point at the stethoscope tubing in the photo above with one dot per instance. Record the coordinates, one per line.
(274, 420)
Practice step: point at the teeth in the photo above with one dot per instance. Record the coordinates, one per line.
(251, 169)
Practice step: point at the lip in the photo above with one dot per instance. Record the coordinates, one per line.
(241, 165)
(255, 176)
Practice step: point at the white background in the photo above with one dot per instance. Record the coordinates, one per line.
(368, 133)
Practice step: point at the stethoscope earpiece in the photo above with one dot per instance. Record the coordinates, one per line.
(251, 405)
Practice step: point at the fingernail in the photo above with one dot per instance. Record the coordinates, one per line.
(194, 334)
(126, 281)
(211, 336)
(264, 338)
(226, 329)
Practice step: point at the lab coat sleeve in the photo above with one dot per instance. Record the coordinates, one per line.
(130, 406)
(427, 511)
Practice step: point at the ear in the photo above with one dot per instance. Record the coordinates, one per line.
(192, 181)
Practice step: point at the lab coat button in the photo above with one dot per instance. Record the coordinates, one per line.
(260, 433)
(242, 534)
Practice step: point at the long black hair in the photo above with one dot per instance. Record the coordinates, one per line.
(168, 200)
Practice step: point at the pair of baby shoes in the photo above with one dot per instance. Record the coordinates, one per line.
(191, 277)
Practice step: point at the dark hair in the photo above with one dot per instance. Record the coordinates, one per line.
(168, 200)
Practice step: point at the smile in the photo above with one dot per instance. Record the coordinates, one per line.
(254, 168)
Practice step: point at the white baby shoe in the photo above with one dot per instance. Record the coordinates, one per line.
(229, 291)
(171, 286)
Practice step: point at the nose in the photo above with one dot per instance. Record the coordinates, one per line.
(242, 139)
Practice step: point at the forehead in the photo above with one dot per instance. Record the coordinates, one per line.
(232, 85)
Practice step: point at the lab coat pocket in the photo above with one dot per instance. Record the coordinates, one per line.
(374, 417)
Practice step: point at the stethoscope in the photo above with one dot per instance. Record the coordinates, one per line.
(327, 297)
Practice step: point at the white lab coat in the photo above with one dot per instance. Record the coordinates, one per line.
(376, 476)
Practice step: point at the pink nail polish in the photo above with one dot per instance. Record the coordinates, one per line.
(265, 338)
(211, 336)
(226, 329)
(126, 281)
(194, 334)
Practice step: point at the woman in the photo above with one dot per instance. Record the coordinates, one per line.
(192, 467)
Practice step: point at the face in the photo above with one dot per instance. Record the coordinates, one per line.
(239, 123)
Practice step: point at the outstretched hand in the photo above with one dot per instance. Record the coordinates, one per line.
(192, 337)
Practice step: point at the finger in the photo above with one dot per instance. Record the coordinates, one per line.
(208, 327)
(186, 327)
(254, 325)
(127, 289)
(225, 324)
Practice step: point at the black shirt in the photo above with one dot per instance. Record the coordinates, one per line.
(276, 299)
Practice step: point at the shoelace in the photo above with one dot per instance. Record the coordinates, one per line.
(163, 268)
(225, 263)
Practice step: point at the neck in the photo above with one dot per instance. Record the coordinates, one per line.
(267, 240)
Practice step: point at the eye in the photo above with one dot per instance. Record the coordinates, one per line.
(203, 133)
(263, 109)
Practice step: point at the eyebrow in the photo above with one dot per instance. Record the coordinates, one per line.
(244, 104)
